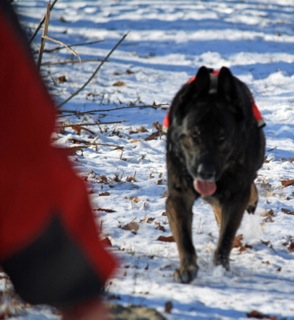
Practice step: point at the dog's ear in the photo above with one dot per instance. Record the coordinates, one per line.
(201, 83)
(229, 90)
(226, 84)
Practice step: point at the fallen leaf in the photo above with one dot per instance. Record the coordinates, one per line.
(131, 226)
(291, 247)
(258, 315)
(287, 211)
(147, 219)
(131, 179)
(104, 194)
(267, 213)
(168, 306)
(119, 84)
(238, 241)
(62, 79)
(153, 136)
(160, 227)
(102, 179)
(287, 182)
(166, 239)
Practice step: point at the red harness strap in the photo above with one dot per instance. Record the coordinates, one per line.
(256, 113)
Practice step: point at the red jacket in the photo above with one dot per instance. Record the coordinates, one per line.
(49, 244)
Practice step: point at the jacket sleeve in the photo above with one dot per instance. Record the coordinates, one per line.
(49, 243)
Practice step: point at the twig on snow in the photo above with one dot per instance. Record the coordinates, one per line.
(49, 63)
(94, 73)
(74, 112)
(89, 124)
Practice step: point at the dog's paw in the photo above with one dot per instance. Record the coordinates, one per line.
(186, 274)
(251, 208)
(222, 261)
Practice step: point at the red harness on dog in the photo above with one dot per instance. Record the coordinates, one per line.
(256, 113)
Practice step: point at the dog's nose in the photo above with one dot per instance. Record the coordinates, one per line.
(206, 172)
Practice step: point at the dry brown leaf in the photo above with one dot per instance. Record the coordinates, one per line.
(102, 179)
(160, 227)
(258, 315)
(168, 306)
(166, 239)
(119, 84)
(147, 219)
(62, 79)
(238, 241)
(153, 136)
(140, 129)
(287, 182)
(104, 194)
(131, 179)
(131, 226)
(291, 247)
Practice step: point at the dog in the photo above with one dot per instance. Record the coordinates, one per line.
(215, 146)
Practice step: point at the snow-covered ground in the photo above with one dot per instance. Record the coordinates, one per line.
(121, 156)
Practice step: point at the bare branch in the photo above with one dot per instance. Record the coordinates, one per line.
(49, 63)
(72, 45)
(154, 106)
(89, 124)
(94, 73)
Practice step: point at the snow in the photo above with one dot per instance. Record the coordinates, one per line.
(167, 42)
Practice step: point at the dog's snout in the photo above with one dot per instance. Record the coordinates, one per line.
(206, 172)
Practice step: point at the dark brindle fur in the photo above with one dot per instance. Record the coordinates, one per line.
(214, 149)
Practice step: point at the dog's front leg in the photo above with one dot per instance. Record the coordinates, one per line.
(231, 217)
(180, 215)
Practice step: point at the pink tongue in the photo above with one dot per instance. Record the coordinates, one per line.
(205, 188)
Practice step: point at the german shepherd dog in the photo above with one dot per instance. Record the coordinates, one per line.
(215, 145)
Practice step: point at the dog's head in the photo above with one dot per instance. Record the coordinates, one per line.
(207, 122)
